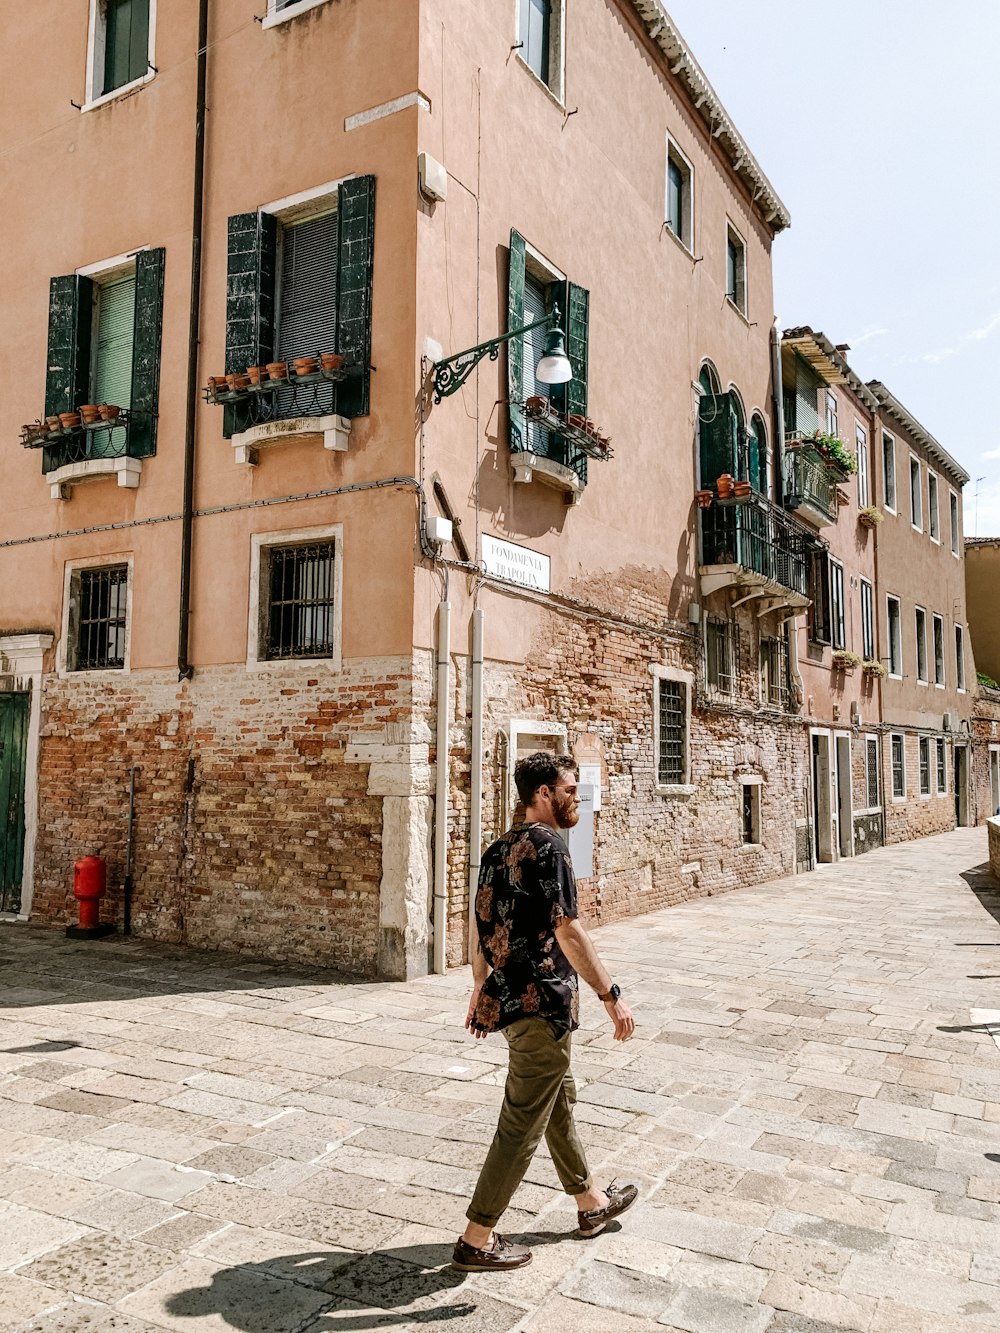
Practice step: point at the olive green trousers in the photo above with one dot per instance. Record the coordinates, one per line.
(538, 1100)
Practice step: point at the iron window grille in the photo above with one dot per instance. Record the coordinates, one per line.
(871, 772)
(774, 672)
(102, 596)
(300, 607)
(719, 646)
(671, 759)
(898, 767)
(925, 766)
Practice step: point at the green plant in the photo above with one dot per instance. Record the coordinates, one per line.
(834, 451)
(845, 660)
(984, 679)
(873, 668)
(871, 516)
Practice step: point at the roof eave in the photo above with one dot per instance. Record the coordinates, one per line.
(894, 408)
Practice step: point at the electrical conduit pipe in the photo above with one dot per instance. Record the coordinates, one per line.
(440, 919)
(476, 773)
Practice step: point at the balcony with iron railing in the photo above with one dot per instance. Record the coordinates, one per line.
(810, 484)
(75, 450)
(753, 545)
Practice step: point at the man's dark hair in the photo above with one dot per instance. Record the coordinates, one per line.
(541, 769)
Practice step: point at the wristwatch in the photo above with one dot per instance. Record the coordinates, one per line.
(613, 994)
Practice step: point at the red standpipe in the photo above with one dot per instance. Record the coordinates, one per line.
(90, 883)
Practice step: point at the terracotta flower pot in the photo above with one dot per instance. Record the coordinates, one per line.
(109, 411)
(256, 374)
(278, 370)
(575, 419)
(704, 498)
(69, 420)
(53, 423)
(89, 413)
(331, 361)
(305, 365)
(725, 486)
(741, 489)
(536, 403)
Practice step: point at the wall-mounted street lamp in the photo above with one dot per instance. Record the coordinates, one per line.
(553, 367)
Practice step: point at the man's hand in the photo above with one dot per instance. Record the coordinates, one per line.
(621, 1015)
(478, 1033)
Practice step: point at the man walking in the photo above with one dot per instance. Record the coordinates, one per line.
(528, 948)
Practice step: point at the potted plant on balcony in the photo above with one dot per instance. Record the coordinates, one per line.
(835, 454)
(844, 660)
(724, 486)
(704, 498)
(870, 516)
(872, 667)
(741, 490)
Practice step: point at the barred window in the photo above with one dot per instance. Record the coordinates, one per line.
(871, 771)
(719, 655)
(898, 766)
(925, 766)
(99, 598)
(671, 759)
(942, 767)
(774, 672)
(300, 603)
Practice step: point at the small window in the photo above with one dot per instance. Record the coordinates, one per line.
(921, 630)
(832, 422)
(916, 498)
(750, 794)
(837, 604)
(925, 766)
(871, 772)
(121, 45)
(889, 471)
(98, 611)
(114, 329)
(864, 485)
(942, 767)
(680, 195)
(955, 534)
(819, 594)
(933, 519)
(893, 617)
(539, 34)
(960, 657)
(736, 269)
(300, 601)
(670, 727)
(867, 621)
(774, 672)
(898, 766)
(719, 655)
(938, 624)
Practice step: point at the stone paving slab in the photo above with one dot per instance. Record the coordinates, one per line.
(811, 1107)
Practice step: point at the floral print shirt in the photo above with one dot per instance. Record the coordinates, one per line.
(526, 887)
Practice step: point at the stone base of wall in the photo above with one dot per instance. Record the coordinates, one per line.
(867, 833)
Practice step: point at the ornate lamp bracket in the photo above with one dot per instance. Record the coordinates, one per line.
(451, 374)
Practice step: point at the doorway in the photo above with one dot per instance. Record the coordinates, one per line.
(823, 843)
(13, 750)
(961, 767)
(845, 801)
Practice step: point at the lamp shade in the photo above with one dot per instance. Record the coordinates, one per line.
(554, 366)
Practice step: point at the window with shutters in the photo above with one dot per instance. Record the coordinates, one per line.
(112, 341)
(820, 609)
(871, 773)
(671, 728)
(295, 581)
(306, 315)
(680, 196)
(736, 269)
(539, 45)
(867, 621)
(898, 750)
(96, 615)
(120, 47)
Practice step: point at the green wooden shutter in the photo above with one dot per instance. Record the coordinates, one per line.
(716, 432)
(126, 42)
(355, 264)
(13, 748)
(147, 337)
(252, 246)
(67, 376)
(515, 348)
(576, 322)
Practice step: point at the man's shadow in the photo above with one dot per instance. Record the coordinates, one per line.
(339, 1291)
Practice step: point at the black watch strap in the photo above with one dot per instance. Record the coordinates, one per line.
(613, 994)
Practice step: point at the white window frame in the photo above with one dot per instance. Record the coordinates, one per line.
(92, 99)
(922, 742)
(937, 627)
(686, 237)
(895, 644)
(733, 232)
(940, 749)
(889, 454)
(527, 726)
(864, 482)
(274, 15)
(658, 673)
(916, 509)
(871, 743)
(899, 797)
(960, 658)
(556, 86)
(756, 785)
(729, 639)
(259, 543)
(955, 519)
(832, 415)
(933, 508)
(867, 596)
(838, 630)
(920, 640)
(63, 654)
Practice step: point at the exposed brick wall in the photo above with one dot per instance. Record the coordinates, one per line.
(919, 816)
(985, 733)
(252, 832)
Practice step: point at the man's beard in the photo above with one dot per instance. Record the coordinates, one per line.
(567, 813)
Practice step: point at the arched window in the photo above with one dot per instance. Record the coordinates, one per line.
(709, 403)
(758, 454)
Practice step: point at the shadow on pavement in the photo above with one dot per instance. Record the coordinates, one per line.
(396, 1285)
(981, 881)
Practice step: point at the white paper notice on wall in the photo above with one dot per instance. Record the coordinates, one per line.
(590, 776)
(516, 564)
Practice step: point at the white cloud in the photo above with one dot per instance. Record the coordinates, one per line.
(866, 337)
(990, 327)
(942, 354)
(991, 455)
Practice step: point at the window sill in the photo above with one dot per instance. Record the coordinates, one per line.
(276, 17)
(335, 430)
(63, 479)
(734, 307)
(681, 789)
(133, 86)
(553, 97)
(751, 846)
(682, 245)
(529, 467)
(285, 664)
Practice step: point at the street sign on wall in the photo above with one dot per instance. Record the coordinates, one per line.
(516, 564)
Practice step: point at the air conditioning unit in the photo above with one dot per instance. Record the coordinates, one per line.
(950, 721)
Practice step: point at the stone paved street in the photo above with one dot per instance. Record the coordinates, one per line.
(811, 1107)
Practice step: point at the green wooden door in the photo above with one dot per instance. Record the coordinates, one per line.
(13, 743)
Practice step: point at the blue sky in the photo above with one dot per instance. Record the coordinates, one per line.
(877, 123)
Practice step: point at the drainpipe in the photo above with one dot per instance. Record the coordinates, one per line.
(476, 774)
(441, 791)
(184, 668)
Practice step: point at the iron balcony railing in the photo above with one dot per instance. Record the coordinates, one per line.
(756, 535)
(82, 444)
(810, 485)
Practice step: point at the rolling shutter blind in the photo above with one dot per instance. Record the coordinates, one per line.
(307, 316)
(112, 382)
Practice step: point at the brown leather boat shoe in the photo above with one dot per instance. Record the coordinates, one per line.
(620, 1197)
(500, 1256)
